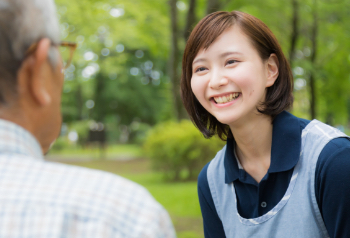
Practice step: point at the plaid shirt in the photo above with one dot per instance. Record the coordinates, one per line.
(44, 199)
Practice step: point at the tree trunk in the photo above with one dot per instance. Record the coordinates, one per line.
(213, 6)
(99, 110)
(176, 177)
(313, 59)
(312, 96)
(174, 62)
(80, 103)
(295, 31)
(191, 19)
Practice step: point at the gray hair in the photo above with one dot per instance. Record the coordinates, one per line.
(22, 23)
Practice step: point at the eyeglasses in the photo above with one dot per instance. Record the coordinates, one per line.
(66, 50)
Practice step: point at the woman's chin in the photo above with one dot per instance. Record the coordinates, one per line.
(227, 120)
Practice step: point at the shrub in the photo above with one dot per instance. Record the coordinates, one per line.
(82, 128)
(60, 144)
(179, 150)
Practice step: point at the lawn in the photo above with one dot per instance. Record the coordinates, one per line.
(92, 152)
(180, 199)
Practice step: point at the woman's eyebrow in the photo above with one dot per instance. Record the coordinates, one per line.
(223, 55)
(199, 60)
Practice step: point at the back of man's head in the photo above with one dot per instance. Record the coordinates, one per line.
(30, 67)
(22, 23)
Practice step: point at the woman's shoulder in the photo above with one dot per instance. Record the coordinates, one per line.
(202, 177)
(219, 157)
(334, 156)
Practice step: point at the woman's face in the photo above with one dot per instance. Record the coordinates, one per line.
(229, 78)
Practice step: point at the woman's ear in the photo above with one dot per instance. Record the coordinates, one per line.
(272, 70)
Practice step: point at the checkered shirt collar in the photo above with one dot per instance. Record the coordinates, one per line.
(14, 139)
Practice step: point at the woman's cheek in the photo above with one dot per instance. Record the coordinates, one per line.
(196, 87)
(248, 82)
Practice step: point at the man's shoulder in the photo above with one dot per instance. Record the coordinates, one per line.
(75, 176)
(99, 185)
(93, 175)
(72, 187)
(79, 195)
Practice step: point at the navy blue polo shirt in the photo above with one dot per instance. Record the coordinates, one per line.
(332, 180)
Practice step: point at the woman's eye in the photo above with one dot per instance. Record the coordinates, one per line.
(231, 61)
(200, 69)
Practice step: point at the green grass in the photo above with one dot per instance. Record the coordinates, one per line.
(179, 199)
(92, 151)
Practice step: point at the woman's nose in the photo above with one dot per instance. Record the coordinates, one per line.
(217, 80)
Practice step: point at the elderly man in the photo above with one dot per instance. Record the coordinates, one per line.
(39, 198)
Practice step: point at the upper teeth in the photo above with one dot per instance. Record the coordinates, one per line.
(226, 98)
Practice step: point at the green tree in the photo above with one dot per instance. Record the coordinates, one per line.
(112, 36)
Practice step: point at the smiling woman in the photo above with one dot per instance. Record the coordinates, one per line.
(229, 78)
(257, 38)
(273, 177)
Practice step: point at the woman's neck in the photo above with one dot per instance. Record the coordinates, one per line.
(253, 144)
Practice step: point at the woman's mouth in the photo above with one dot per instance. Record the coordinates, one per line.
(227, 98)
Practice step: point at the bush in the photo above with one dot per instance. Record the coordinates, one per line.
(63, 143)
(60, 144)
(82, 128)
(179, 150)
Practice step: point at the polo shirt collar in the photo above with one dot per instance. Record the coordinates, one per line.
(285, 150)
(230, 162)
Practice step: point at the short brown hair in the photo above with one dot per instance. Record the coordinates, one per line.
(279, 96)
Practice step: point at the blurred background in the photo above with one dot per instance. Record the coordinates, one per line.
(121, 105)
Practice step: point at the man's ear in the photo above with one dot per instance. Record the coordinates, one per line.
(272, 70)
(34, 74)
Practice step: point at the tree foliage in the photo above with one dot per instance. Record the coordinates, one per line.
(127, 65)
(119, 72)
